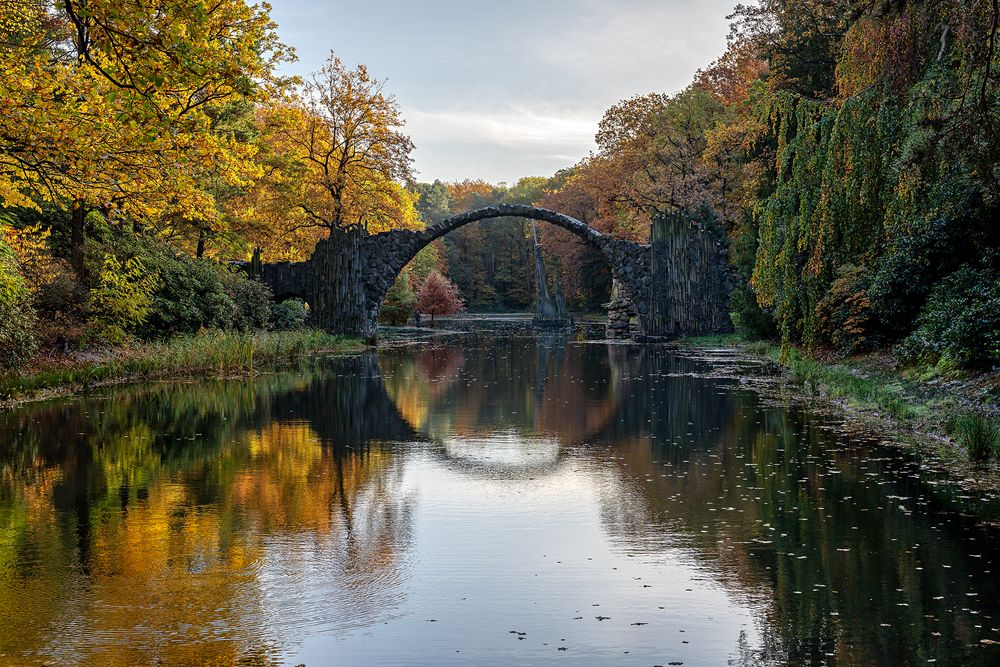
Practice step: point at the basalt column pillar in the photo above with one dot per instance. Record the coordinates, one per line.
(662, 322)
(691, 278)
(338, 286)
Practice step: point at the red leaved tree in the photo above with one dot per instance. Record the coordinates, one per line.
(438, 296)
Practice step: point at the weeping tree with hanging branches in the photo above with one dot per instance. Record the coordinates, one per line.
(879, 179)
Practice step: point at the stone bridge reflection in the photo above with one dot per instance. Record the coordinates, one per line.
(477, 404)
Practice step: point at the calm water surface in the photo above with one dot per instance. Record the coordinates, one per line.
(483, 499)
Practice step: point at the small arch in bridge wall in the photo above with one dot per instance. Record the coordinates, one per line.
(288, 280)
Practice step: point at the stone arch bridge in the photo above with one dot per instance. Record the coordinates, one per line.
(677, 285)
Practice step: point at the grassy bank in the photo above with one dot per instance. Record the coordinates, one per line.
(963, 409)
(210, 353)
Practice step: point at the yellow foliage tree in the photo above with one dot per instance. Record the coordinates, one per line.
(332, 159)
(104, 103)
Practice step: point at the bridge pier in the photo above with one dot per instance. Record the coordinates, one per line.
(340, 304)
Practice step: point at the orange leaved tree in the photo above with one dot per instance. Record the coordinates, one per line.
(438, 296)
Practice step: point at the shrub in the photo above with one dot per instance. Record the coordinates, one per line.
(750, 320)
(400, 301)
(960, 323)
(61, 332)
(99, 334)
(122, 298)
(845, 317)
(190, 295)
(902, 278)
(253, 302)
(61, 295)
(17, 318)
(289, 315)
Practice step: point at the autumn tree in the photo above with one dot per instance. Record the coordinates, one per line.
(438, 296)
(469, 194)
(345, 132)
(659, 142)
(730, 77)
(108, 107)
(266, 215)
(465, 247)
(585, 276)
(799, 39)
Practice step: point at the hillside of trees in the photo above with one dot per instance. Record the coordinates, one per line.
(846, 149)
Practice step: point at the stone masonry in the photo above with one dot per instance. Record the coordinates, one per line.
(349, 274)
(389, 252)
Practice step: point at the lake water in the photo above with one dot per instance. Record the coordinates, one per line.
(491, 498)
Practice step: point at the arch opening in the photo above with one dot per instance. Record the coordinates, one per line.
(388, 253)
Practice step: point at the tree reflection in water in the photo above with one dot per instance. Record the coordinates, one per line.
(197, 522)
(222, 521)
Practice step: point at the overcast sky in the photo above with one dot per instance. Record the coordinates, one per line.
(508, 88)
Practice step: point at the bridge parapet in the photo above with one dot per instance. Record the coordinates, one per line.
(288, 280)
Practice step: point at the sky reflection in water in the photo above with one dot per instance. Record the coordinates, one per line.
(498, 500)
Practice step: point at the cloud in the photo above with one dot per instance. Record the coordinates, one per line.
(515, 127)
(498, 145)
(502, 89)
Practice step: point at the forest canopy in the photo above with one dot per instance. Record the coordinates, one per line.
(846, 151)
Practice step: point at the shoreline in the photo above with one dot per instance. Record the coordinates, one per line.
(211, 354)
(927, 413)
(869, 388)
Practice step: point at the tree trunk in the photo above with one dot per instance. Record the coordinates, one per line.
(200, 252)
(78, 231)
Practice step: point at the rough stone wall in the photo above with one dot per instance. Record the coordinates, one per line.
(348, 276)
(386, 255)
(620, 312)
(692, 280)
(288, 280)
(630, 265)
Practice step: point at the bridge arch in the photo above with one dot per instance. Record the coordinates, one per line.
(388, 253)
